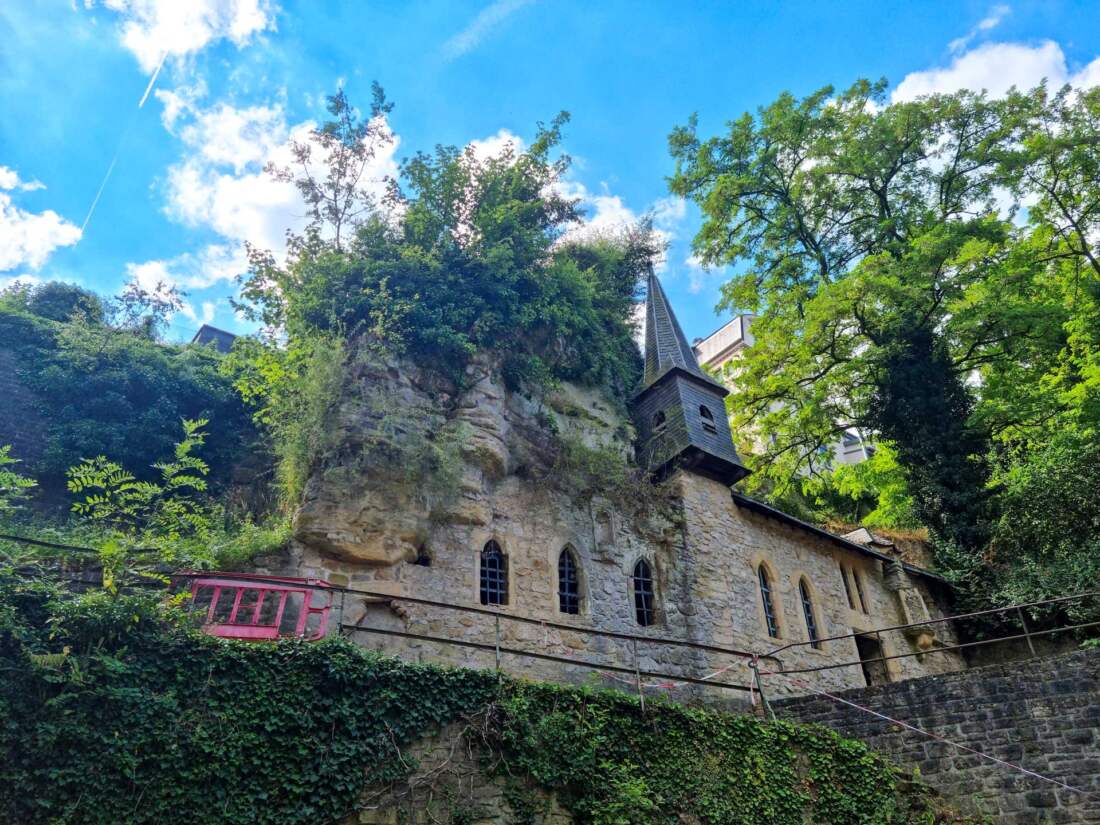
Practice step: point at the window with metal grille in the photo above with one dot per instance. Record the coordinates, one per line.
(808, 611)
(848, 586)
(769, 606)
(644, 610)
(494, 575)
(859, 591)
(569, 583)
(708, 419)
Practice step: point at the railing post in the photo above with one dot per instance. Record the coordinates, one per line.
(760, 686)
(498, 642)
(638, 676)
(1027, 633)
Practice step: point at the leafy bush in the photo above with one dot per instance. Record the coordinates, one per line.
(116, 711)
(116, 392)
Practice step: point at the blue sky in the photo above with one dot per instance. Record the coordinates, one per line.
(237, 78)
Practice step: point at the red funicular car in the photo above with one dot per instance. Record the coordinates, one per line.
(245, 606)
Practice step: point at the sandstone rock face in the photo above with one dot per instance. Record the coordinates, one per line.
(363, 505)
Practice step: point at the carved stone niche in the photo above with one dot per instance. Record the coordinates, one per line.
(913, 607)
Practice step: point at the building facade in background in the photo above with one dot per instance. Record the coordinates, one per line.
(720, 352)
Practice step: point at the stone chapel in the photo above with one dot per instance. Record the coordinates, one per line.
(597, 583)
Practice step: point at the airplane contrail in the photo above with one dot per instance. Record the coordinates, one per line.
(122, 137)
(153, 79)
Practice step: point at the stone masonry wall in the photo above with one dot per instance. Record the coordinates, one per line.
(363, 527)
(1042, 714)
(449, 786)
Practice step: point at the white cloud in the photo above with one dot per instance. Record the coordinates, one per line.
(208, 310)
(222, 184)
(152, 29)
(235, 137)
(178, 102)
(997, 67)
(987, 23)
(1088, 76)
(607, 214)
(9, 179)
(159, 277)
(495, 145)
(487, 19)
(215, 263)
(19, 279)
(28, 238)
(697, 274)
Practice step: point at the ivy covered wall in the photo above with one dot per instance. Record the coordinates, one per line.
(116, 711)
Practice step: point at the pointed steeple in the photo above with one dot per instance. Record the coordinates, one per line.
(679, 409)
(665, 345)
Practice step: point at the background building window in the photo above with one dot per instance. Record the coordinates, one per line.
(494, 575)
(644, 610)
(569, 584)
(769, 606)
(708, 419)
(808, 611)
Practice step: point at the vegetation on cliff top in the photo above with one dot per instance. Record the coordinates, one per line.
(168, 720)
(464, 254)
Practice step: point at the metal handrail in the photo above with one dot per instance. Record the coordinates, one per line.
(941, 620)
(500, 614)
(939, 648)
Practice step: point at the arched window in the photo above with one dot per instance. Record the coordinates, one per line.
(708, 419)
(644, 609)
(494, 574)
(569, 583)
(848, 586)
(808, 612)
(769, 605)
(859, 591)
(659, 422)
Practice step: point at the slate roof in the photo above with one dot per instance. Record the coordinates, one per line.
(666, 348)
(222, 340)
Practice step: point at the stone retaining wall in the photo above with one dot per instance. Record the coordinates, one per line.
(1042, 714)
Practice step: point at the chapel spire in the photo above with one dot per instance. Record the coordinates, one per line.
(665, 344)
(680, 410)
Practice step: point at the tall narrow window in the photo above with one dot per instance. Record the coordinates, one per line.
(859, 591)
(494, 575)
(808, 611)
(644, 610)
(769, 605)
(569, 584)
(848, 587)
(708, 419)
(659, 422)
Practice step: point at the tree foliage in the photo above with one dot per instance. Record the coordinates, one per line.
(465, 254)
(107, 388)
(895, 292)
(14, 486)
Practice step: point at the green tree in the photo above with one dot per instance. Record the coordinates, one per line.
(103, 390)
(54, 300)
(866, 237)
(13, 486)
